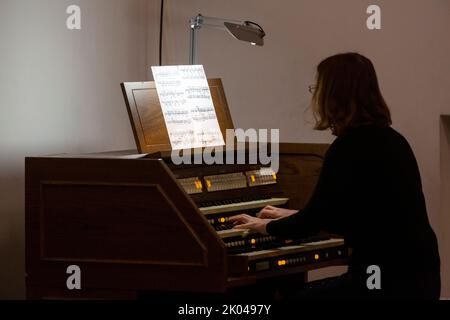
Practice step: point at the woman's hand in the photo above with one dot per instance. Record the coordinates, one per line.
(270, 212)
(244, 221)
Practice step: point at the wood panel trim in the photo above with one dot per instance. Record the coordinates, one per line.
(203, 247)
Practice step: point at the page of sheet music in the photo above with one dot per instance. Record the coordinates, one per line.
(187, 107)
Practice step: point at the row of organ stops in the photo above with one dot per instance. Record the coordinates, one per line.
(238, 241)
(229, 181)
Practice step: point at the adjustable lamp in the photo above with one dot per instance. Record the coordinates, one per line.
(247, 31)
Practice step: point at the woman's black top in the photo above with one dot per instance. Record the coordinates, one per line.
(370, 191)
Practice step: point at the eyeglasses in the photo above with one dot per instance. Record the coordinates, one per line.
(312, 89)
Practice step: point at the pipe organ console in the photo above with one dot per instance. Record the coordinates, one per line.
(137, 224)
(248, 189)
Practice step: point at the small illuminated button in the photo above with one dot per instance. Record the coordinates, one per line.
(281, 263)
(222, 220)
(253, 241)
(316, 257)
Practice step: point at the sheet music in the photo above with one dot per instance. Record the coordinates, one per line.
(187, 107)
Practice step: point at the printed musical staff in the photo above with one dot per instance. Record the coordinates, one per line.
(187, 107)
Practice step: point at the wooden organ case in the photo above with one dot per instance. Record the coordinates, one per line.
(136, 224)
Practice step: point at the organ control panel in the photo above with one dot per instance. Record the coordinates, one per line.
(249, 190)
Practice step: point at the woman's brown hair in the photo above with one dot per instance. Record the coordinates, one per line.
(347, 94)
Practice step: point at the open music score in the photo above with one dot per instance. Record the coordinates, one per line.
(187, 107)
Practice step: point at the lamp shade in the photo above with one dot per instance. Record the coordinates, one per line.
(246, 33)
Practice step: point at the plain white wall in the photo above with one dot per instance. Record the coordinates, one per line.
(60, 92)
(267, 87)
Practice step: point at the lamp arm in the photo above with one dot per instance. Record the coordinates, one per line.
(193, 46)
(212, 22)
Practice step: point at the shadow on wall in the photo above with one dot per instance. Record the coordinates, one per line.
(444, 237)
(12, 233)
